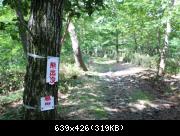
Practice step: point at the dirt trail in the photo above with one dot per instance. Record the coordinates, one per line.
(123, 92)
(133, 93)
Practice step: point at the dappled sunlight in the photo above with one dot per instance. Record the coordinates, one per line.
(16, 104)
(114, 91)
(125, 93)
(176, 76)
(107, 62)
(63, 96)
(108, 109)
(113, 69)
(130, 71)
(84, 101)
(75, 113)
(141, 105)
(71, 103)
(90, 59)
(92, 94)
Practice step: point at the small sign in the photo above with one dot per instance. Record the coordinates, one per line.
(52, 70)
(47, 103)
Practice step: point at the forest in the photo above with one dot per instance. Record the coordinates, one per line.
(89, 60)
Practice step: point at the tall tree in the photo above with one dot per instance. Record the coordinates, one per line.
(75, 44)
(168, 29)
(45, 24)
(117, 46)
(76, 47)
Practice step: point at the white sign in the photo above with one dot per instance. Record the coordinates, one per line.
(52, 70)
(47, 103)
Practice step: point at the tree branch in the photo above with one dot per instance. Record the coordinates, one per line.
(21, 18)
(23, 27)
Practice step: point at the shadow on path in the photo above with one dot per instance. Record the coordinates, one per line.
(121, 92)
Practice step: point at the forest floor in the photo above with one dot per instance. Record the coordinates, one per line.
(113, 91)
(121, 91)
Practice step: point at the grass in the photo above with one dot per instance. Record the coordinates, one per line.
(8, 112)
(13, 114)
(11, 97)
(85, 100)
(140, 95)
(98, 112)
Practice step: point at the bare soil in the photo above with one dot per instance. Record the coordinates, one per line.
(124, 92)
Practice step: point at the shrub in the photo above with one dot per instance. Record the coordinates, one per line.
(172, 66)
(141, 60)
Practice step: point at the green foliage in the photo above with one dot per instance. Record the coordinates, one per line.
(141, 60)
(11, 81)
(137, 23)
(173, 67)
(128, 57)
(77, 8)
(11, 53)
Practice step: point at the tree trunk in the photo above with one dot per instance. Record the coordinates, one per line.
(117, 46)
(45, 24)
(164, 49)
(76, 48)
(135, 42)
(158, 48)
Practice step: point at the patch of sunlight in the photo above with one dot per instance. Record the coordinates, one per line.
(99, 74)
(128, 71)
(73, 88)
(110, 109)
(176, 76)
(108, 62)
(88, 86)
(173, 88)
(71, 103)
(76, 112)
(167, 106)
(16, 104)
(103, 60)
(91, 73)
(141, 105)
(92, 107)
(92, 94)
(63, 96)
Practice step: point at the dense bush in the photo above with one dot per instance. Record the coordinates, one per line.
(11, 81)
(141, 60)
(173, 66)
